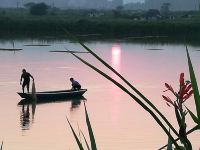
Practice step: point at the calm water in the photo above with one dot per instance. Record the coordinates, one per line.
(118, 122)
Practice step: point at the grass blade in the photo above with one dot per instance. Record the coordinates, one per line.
(169, 145)
(190, 131)
(88, 147)
(123, 79)
(92, 138)
(195, 119)
(75, 136)
(133, 96)
(194, 84)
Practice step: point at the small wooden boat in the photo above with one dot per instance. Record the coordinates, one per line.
(51, 95)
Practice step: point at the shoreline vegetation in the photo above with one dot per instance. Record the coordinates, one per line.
(97, 27)
(20, 23)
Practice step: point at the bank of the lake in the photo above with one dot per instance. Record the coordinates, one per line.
(54, 25)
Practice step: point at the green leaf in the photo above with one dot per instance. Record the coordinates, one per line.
(178, 117)
(143, 105)
(194, 84)
(120, 76)
(92, 139)
(169, 145)
(75, 136)
(181, 147)
(195, 119)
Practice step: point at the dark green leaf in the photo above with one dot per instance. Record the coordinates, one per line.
(181, 147)
(75, 136)
(194, 84)
(130, 94)
(92, 139)
(178, 117)
(126, 81)
(169, 145)
(195, 119)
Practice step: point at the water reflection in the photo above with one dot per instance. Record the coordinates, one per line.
(25, 118)
(116, 63)
(116, 56)
(25, 114)
(75, 104)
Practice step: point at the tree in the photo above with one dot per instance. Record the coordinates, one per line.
(39, 9)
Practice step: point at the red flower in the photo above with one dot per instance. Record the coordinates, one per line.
(168, 100)
(181, 80)
(169, 87)
(184, 93)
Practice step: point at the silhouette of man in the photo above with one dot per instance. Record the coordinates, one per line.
(26, 80)
(75, 84)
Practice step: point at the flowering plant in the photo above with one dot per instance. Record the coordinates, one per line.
(185, 92)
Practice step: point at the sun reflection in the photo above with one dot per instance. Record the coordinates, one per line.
(116, 62)
(116, 56)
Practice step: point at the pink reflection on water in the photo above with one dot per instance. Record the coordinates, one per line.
(116, 56)
(116, 62)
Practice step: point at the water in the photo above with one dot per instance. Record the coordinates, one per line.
(118, 121)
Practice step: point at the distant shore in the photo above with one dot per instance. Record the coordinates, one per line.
(51, 27)
(111, 27)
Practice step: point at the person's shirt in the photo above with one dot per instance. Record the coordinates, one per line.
(75, 83)
(26, 76)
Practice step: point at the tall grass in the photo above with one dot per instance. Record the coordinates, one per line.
(138, 100)
(179, 112)
(90, 132)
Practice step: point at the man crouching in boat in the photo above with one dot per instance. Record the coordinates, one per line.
(75, 84)
(26, 80)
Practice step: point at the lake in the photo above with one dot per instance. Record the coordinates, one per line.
(118, 121)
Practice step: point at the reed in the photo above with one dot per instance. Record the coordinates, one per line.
(196, 91)
(180, 113)
(90, 132)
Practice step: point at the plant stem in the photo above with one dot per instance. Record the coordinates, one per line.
(190, 131)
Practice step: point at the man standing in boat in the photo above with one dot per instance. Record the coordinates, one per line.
(75, 84)
(26, 80)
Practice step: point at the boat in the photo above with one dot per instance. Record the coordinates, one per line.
(53, 95)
